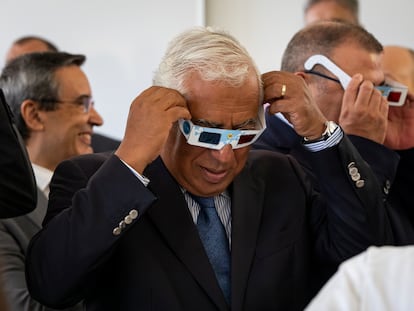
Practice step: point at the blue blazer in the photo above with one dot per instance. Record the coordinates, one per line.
(393, 170)
(281, 229)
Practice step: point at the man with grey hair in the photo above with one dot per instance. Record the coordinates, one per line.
(183, 216)
(51, 100)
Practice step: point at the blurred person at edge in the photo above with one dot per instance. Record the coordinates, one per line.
(30, 44)
(338, 10)
(51, 99)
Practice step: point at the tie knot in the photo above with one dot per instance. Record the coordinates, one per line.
(204, 202)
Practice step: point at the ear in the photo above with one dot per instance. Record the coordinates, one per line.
(32, 115)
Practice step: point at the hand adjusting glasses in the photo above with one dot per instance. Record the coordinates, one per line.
(395, 92)
(216, 138)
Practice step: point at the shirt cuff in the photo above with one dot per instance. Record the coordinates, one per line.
(332, 140)
(142, 178)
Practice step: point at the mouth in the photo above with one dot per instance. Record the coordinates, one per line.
(86, 138)
(213, 176)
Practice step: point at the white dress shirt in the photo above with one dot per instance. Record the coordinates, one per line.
(379, 279)
(43, 177)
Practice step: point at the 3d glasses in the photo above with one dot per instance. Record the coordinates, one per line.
(395, 92)
(215, 138)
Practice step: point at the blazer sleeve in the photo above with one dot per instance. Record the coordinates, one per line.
(355, 216)
(394, 173)
(18, 192)
(85, 215)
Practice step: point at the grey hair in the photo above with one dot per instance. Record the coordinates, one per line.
(32, 76)
(214, 54)
(323, 38)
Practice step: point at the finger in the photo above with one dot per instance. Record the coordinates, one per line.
(274, 92)
(384, 107)
(178, 112)
(351, 92)
(161, 98)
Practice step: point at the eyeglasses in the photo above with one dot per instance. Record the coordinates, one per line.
(395, 92)
(86, 102)
(215, 138)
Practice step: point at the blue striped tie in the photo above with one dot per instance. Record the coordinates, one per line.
(215, 242)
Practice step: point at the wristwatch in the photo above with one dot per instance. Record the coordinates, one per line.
(330, 129)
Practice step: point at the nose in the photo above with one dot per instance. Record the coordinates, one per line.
(94, 117)
(224, 155)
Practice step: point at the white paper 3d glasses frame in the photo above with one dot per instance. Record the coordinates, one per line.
(395, 92)
(216, 138)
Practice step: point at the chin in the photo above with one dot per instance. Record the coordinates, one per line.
(85, 150)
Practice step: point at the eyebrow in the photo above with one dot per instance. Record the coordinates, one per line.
(246, 124)
(84, 96)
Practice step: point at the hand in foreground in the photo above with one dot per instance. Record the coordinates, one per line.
(364, 110)
(288, 93)
(400, 132)
(150, 119)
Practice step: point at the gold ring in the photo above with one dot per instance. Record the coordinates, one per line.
(283, 93)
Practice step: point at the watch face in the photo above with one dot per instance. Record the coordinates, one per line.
(331, 127)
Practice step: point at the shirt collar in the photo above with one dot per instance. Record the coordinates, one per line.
(43, 177)
(225, 193)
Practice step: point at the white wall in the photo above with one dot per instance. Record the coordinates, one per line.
(122, 39)
(265, 27)
(125, 39)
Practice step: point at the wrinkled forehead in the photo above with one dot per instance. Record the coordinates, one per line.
(208, 99)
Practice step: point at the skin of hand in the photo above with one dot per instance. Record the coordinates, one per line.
(364, 110)
(150, 119)
(400, 133)
(297, 105)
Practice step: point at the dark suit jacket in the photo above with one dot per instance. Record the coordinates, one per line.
(17, 183)
(280, 229)
(394, 172)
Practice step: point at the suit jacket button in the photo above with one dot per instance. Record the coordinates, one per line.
(117, 231)
(128, 219)
(355, 177)
(387, 186)
(353, 171)
(133, 213)
(360, 183)
(351, 164)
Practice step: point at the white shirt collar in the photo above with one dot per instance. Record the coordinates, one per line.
(43, 177)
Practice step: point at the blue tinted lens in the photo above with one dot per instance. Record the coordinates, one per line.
(209, 138)
(186, 127)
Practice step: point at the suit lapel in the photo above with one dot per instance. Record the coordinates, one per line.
(39, 212)
(171, 216)
(247, 202)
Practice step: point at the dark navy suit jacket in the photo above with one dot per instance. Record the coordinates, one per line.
(281, 229)
(18, 191)
(394, 172)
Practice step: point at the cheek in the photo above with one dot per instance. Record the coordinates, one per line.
(241, 156)
(329, 102)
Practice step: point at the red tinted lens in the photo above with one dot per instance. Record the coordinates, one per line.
(246, 139)
(394, 97)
